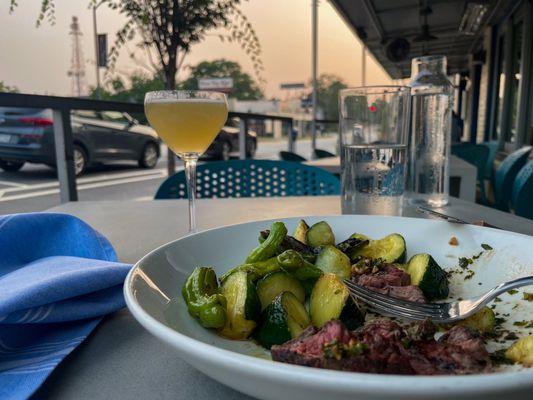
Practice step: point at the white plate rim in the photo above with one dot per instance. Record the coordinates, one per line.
(316, 377)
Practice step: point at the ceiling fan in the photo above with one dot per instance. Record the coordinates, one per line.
(425, 35)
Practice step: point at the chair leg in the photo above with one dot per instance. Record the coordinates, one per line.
(482, 193)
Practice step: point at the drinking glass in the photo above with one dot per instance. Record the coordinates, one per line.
(187, 121)
(374, 126)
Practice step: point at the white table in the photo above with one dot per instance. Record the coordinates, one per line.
(466, 172)
(120, 360)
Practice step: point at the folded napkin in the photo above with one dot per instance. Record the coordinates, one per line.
(58, 278)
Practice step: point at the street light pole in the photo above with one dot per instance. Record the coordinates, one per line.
(96, 50)
(314, 57)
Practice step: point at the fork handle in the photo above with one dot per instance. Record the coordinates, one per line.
(504, 287)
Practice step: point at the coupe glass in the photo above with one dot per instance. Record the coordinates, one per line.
(187, 121)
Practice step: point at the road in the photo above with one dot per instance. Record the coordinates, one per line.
(35, 187)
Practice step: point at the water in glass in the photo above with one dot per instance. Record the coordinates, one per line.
(373, 179)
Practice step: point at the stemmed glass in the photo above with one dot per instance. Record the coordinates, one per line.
(187, 121)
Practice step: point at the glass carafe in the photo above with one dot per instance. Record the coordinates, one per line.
(429, 144)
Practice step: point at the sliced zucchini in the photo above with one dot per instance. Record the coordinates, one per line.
(428, 276)
(300, 232)
(330, 299)
(242, 307)
(320, 234)
(284, 319)
(272, 285)
(521, 351)
(483, 321)
(332, 260)
(391, 248)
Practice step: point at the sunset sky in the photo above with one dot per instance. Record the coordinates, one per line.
(36, 60)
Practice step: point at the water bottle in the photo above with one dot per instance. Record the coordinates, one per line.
(429, 141)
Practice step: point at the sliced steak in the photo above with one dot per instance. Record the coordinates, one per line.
(373, 348)
(383, 346)
(388, 275)
(392, 281)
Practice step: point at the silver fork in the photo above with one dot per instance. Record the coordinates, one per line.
(437, 312)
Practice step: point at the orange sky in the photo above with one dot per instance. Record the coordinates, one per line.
(37, 59)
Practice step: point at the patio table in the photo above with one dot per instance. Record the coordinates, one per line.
(459, 168)
(120, 360)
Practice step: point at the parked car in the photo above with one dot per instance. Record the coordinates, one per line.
(26, 135)
(226, 144)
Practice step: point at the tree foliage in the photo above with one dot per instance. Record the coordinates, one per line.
(131, 89)
(328, 87)
(8, 89)
(244, 86)
(167, 29)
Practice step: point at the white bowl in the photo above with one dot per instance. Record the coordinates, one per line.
(153, 295)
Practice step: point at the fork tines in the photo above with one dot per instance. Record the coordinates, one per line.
(391, 305)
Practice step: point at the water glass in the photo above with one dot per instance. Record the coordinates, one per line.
(374, 126)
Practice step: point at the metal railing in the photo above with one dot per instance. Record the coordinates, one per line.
(64, 144)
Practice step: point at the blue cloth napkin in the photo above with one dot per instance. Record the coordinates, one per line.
(58, 278)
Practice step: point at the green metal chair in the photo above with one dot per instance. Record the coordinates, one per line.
(477, 155)
(319, 153)
(290, 156)
(252, 178)
(522, 196)
(493, 147)
(506, 175)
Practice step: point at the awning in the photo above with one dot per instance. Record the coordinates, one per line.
(392, 29)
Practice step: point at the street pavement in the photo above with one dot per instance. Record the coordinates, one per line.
(35, 187)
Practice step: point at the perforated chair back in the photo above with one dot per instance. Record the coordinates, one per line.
(522, 196)
(477, 155)
(319, 153)
(290, 156)
(252, 178)
(506, 174)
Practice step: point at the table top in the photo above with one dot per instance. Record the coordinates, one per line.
(458, 166)
(120, 359)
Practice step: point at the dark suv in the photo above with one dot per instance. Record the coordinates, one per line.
(26, 135)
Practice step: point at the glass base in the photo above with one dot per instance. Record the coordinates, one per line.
(433, 201)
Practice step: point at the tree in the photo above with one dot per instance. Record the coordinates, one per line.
(8, 89)
(132, 90)
(244, 87)
(328, 87)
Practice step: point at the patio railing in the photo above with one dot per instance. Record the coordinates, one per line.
(63, 138)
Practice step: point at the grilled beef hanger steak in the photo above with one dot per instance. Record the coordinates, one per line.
(384, 347)
(392, 281)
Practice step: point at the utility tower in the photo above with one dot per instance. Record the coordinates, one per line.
(77, 62)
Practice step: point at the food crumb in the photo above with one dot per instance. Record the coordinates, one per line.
(528, 296)
(453, 241)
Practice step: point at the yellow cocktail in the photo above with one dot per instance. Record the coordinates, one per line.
(187, 121)
(188, 125)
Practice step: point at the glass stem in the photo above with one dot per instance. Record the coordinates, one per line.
(190, 175)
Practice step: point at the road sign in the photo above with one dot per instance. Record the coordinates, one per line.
(289, 86)
(102, 50)
(218, 84)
